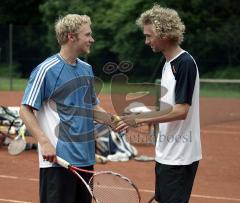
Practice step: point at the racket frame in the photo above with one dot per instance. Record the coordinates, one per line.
(74, 170)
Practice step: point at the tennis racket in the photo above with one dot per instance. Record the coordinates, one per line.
(106, 186)
(18, 144)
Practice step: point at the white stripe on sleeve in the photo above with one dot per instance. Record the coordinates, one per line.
(39, 79)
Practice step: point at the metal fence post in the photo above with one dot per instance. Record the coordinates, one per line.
(10, 57)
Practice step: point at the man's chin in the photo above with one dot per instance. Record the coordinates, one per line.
(86, 51)
(155, 50)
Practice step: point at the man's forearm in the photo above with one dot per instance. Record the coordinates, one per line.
(29, 119)
(101, 116)
(178, 112)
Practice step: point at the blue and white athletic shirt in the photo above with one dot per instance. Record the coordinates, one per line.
(64, 97)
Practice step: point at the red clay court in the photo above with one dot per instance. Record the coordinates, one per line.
(218, 177)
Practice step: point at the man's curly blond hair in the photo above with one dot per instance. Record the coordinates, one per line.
(70, 23)
(165, 21)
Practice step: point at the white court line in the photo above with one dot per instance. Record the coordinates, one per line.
(216, 197)
(12, 200)
(140, 190)
(219, 132)
(232, 128)
(18, 178)
(201, 196)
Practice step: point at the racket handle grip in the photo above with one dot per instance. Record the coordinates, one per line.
(62, 162)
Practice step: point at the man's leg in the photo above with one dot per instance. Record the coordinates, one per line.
(83, 195)
(174, 183)
(190, 172)
(57, 185)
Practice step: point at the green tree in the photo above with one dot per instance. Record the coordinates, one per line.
(212, 32)
(116, 35)
(22, 12)
(28, 49)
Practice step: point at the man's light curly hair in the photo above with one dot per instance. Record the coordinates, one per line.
(70, 23)
(166, 22)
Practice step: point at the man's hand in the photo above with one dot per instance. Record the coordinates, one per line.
(109, 119)
(117, 124)
(126, 121)
(48, 151)
(130, 120)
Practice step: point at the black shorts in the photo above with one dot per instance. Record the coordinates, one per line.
(58, 185)
(173, 183)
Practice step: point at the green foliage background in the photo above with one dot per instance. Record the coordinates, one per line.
(212, 32)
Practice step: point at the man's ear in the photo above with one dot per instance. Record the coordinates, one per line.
(164, 37)
(71, 36)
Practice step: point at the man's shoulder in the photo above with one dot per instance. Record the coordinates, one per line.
(184, 62)
(50, 60)
(185, 57)
(48, 64)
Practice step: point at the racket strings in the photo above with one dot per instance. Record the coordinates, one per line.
(17, 146)
(113, 188)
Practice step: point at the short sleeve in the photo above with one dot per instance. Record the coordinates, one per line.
(185, 81)
(36, 90)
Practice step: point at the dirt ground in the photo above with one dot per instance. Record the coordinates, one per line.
(218, 177)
